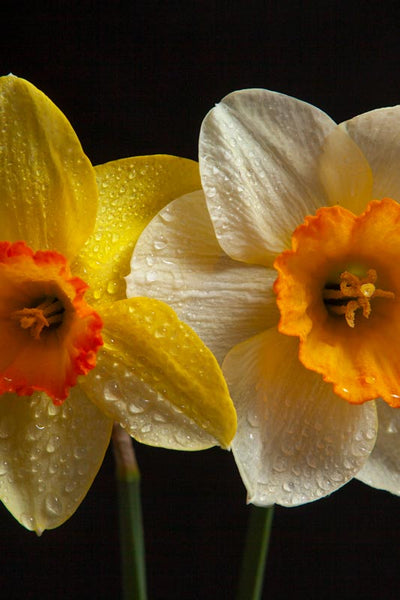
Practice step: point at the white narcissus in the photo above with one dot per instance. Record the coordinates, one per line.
(287, 267)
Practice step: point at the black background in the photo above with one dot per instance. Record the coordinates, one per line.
(137, 78)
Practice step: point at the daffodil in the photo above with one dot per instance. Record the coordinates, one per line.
(288, 268)
(75, 353)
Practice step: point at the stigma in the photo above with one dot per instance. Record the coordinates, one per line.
(352, 294)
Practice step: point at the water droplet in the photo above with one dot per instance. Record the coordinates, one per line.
(280, 464)
(111, 391)
(83, 468)
(370, 434)
(323, 482)
(159, 244)
(150, 261)
(53, 505)
(167, 216)
(53, 468)
(288, 486)
(80, 452)
(52, 409)
(112, 287)
(312, 461)
(27, 521)
(151, 276)
(134, 409)
(159, 418)
(253, 419)
(53, 443)
(70, 486)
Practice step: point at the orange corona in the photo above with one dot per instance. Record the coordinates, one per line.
(338, 290)
(49, 335)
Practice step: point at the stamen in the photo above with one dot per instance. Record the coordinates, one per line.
(352, 294)
(47, 313)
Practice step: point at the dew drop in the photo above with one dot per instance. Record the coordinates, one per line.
(253, 419)
(159, 244)
(80, 452)
(27, 521)
(370, 434)
(167, 216)
(52, 409)
(288, 486)
(112, 287)
(151, 276)
(312, 461)
(53, 505)
(53, 443)
(70, 486)
(134, 409)
(83, 468)
(111, 391)
(280, 464)
(53, 468)
(392, 428)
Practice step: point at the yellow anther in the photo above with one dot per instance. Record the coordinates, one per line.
(367, 289)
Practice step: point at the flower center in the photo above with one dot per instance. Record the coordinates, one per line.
(348, 324)
(46, 313)
(351, 294)
(49, 335)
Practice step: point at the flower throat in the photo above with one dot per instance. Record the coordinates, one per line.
(353, 293)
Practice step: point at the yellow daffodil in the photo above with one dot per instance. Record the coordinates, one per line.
(288, 269)
(75, 354)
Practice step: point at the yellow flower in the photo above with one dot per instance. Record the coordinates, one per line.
(75, 354)
(287, 267)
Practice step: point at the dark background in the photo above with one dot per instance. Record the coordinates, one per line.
(137, 78)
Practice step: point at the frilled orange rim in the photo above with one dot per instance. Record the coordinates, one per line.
(49, 335)
(338, 290)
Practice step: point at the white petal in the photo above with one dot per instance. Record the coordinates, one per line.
(259, 154)
(297, 441)
(178, 260)
(345, 172)
(377, 133)
(49, 455)
(382, 469)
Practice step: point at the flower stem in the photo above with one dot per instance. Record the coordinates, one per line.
(130, 517)
(255, 553)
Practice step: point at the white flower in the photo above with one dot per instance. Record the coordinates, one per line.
(288, 192)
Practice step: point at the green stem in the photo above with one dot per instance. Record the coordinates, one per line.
(130, 517)
(255, 553)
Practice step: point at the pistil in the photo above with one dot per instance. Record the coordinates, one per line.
(353, 293)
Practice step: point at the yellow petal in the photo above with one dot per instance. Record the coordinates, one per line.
(49, 456)
(47, 185)
(345, 173)
(132, 191)
(156, 377)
